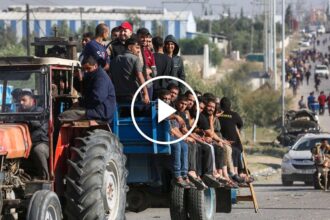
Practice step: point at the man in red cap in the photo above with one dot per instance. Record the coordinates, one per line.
(117, 47)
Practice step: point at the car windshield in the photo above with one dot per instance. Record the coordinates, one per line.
(307, 144)
(321, 68)
(22, 91)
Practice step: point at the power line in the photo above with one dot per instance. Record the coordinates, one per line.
(42, 30)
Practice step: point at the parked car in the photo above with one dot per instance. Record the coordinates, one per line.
(297, 164)
(322, 71)
(304, 43)
(298, 123)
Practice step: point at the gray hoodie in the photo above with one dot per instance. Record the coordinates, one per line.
(177, 63)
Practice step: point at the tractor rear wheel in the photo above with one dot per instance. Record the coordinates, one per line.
(96, 179)
(44, 204)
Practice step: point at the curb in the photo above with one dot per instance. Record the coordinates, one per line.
(265, 172)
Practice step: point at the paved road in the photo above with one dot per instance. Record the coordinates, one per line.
(275, 201)
(325, 86)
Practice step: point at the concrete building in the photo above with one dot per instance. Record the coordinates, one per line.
(43, 19)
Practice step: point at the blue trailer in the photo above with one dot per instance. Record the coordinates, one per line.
(149, 177)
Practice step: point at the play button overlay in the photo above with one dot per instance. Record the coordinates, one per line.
(164, 110)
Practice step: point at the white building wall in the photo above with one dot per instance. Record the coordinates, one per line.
(171, 27)
(19, 30)
(186, 19)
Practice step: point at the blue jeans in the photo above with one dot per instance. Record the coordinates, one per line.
(180, 159)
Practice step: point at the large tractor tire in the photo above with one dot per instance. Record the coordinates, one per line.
(178, 206)
(96, 179)
(202, 204)
(44, 204)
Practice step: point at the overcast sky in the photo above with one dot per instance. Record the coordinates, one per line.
(216, 6)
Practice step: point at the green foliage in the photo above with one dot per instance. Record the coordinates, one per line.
(8, 44)
(134, 19)
(196, 46)
(12, 50)
(157, 28)
(261, 107)
(238, 31)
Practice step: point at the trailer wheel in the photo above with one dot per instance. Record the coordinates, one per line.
(96, 178)
(202, 204)
(44, 204)
(178, 206)
(224, 200)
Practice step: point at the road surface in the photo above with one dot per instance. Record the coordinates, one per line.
(275, 202)
(325, 86)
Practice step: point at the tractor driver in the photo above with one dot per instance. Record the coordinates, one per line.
(38, 159)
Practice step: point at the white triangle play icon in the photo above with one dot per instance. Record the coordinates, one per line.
(164, 110)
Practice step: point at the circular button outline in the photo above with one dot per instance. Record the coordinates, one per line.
(146, 136)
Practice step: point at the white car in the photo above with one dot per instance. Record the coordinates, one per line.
(297, 164)
(322, 71)
(304, 43)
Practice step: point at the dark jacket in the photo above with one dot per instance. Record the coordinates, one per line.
(99, 96)
(38, 129)
(177, 68)
(163, 65)
(116, 48)
(229, 120)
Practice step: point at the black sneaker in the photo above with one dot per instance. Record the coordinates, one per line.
(238, 179)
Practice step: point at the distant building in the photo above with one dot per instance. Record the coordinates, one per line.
(44, 18)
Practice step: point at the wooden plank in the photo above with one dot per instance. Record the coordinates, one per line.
(247, 171)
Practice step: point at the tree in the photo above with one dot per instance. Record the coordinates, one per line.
(288, 16)
(196, 46)
(242, 13)
(157, 28)
(134, 20)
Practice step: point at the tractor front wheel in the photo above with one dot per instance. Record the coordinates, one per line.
(44, 204)
(96, 179)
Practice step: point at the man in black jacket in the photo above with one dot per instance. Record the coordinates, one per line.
(98, 95)
(172, 49)
(163, 65)
(230, 121)
(39, 136)
(117, 46)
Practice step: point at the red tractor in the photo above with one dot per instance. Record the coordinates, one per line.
(86, 161)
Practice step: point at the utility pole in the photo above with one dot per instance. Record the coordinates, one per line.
(28, 51)
(283, 62)
(82, 23)
(266, 49)
(274, 48)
